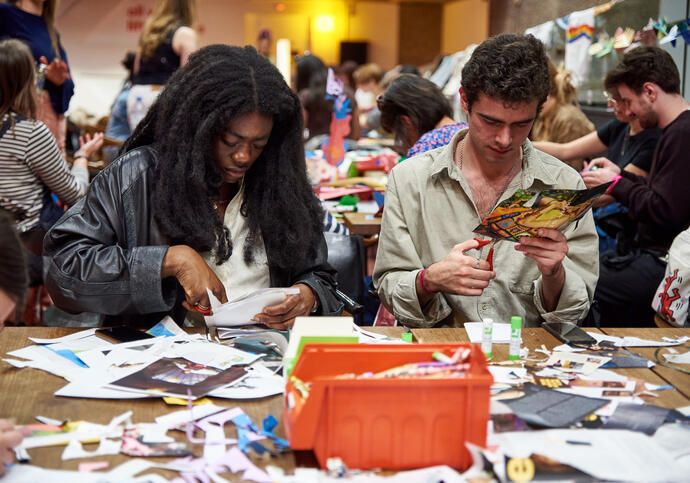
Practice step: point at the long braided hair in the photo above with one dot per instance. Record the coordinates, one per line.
(218, 84)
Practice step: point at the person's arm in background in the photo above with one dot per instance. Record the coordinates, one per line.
(584, 147)
(184, 43)
(45, 160)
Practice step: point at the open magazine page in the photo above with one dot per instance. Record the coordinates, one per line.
(525, 212)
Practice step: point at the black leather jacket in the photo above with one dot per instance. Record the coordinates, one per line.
(106, 252)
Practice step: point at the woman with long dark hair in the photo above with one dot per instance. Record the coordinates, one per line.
(211, 192)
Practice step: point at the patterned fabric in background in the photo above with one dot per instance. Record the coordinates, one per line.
(435, 138)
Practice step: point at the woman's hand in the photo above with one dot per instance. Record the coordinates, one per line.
(89, 144)
(9, 439)
(282, 316)
(57, 71)
(195, 276)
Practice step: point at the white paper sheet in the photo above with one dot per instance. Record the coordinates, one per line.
(209, 354)
(85, 432)
(75, 336)
(241, 311)
(500, 332)
(606, 454)
(507, 375)
(252, 387)
(75, 450)
(173, 420)
(678, 358)
(637, 342)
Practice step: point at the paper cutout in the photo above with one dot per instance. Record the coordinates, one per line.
(623, 38)
(178, 418)
(233, 460)
(166, 328)
(177, 401)
(500, 333)
(552, 408)
(576, 362)
(241, 311)
(524, 213)
(133, 444)
(74, 449)
(173, 377)
(89, 466)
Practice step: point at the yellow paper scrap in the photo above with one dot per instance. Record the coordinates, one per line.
(176, 401)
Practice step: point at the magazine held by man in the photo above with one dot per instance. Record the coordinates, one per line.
(525, 212)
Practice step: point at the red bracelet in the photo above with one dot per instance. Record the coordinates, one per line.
(423, 283)
(614, 181)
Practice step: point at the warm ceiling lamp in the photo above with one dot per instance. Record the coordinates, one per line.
(279, 7)
(325, 23)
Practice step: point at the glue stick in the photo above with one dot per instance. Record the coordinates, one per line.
(515, 333)
(487, 337)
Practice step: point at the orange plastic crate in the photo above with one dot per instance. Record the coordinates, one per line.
(386, 423)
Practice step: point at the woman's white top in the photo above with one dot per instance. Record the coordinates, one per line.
(238, 277)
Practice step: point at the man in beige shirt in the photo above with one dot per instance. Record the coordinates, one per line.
(428, 270)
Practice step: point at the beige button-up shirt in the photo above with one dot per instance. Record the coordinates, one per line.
(429, 210)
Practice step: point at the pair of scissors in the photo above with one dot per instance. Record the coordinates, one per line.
(202, 309)
(490, 256)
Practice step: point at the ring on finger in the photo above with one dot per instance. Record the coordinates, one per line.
(201, 307)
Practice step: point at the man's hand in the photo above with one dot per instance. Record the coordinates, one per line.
(282, 316)
(9, 439)
(195, 276)
(548, 249)
(458, 273)
(57, 71)
(599, 171)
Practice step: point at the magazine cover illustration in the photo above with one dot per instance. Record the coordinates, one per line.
(525, 212)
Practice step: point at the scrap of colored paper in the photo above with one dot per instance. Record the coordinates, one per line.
(176, 401)
(89, 466)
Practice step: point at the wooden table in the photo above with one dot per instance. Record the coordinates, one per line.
(534, 338)
(27, 393)
(677, 379)
(365, 224)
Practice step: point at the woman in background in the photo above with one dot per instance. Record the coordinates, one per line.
(32, 21)
(560, 120)
(166, 41)
(30, 160)
(418, 114)
(310, 86)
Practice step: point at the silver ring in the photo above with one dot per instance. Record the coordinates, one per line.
(477, 265)
(202, 307)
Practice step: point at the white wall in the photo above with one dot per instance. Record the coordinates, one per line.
(97, 33)
(378, 23)
(465, 22)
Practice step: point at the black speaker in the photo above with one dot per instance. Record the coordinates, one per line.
(357, 51)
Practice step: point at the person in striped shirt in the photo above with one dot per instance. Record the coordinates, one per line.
(31, 165)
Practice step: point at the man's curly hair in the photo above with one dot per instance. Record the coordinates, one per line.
(509, 67)
(218, 84)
